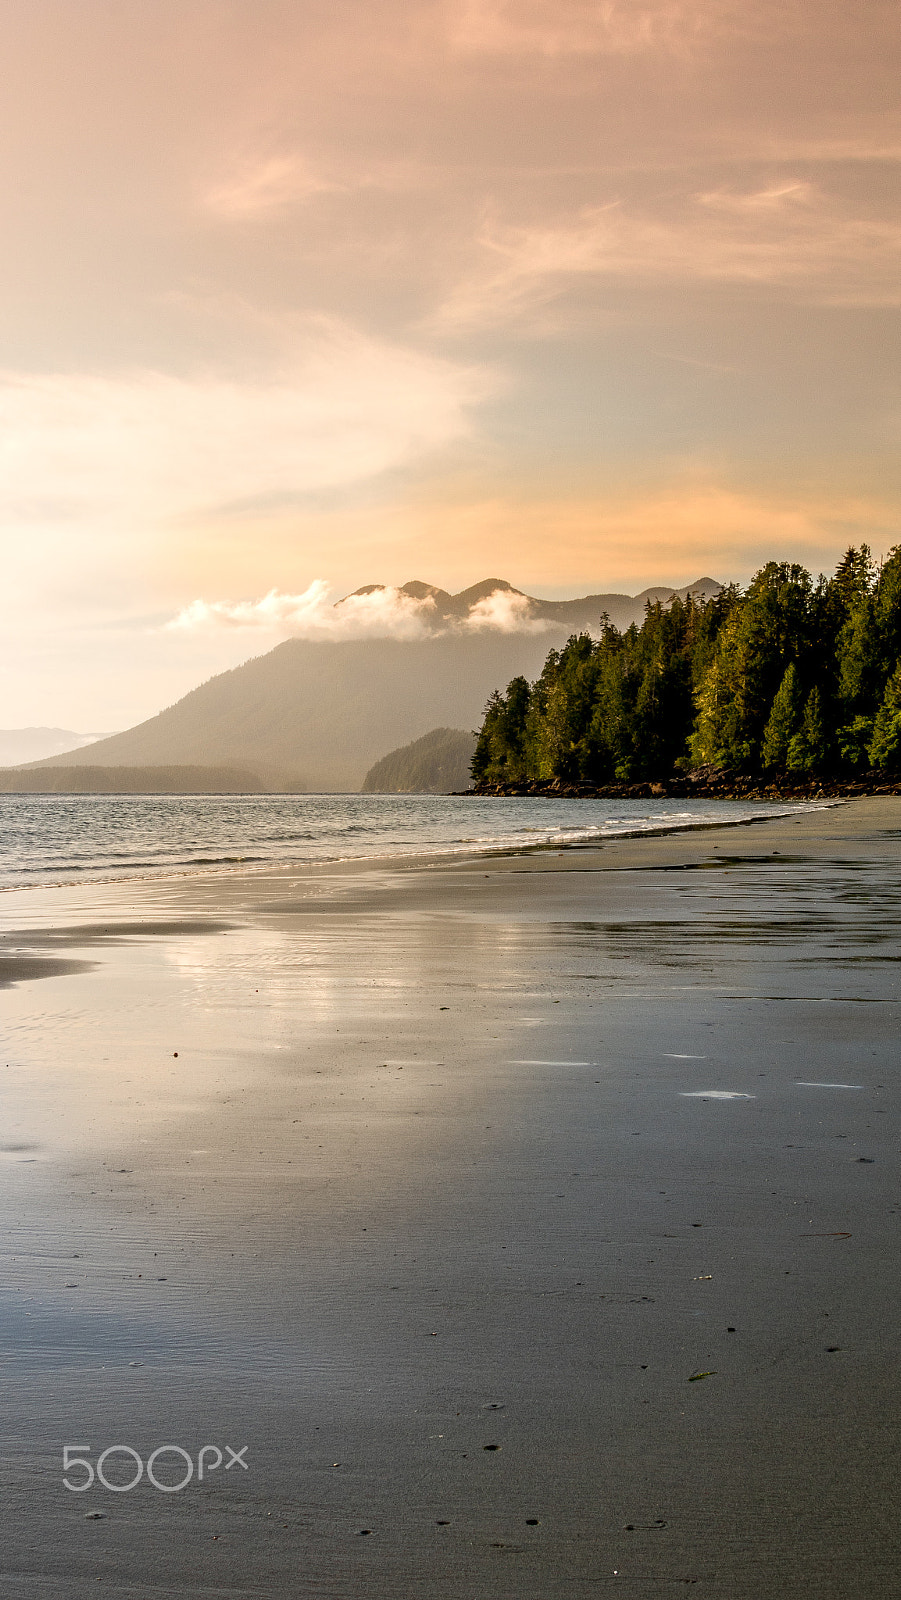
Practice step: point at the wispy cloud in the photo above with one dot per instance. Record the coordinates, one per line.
(583, 27)
(149, 448)
(257, 188)
(503, 612)
(789, 235)
(382, 612)
(880, 145)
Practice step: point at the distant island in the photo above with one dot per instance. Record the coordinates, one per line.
(789, 680)
(62, 779)
(438, 763)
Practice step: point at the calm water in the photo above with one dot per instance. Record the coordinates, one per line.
(48, 839)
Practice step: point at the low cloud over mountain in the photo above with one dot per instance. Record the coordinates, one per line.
(416, 611)
(358, 679)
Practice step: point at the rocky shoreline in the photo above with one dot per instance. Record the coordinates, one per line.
(713, 783)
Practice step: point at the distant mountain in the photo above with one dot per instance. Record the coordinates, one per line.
(438, 763)
(34, 744)
(622, 609)
(129, 780)
(314, 715)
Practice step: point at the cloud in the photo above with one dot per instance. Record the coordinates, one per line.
(503, 612)
(582, 27)
(789, 235)
(146, 450)
(257, 188)
(621, 541)
(758, 202)
(379, 612)
(877, 146)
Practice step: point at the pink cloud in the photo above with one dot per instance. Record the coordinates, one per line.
(259, 187)
(583, 27)
(789, 235)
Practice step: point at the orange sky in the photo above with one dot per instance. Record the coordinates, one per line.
(585, 294)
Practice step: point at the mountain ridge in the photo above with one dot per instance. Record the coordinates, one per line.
(315, 714)
(450, 607)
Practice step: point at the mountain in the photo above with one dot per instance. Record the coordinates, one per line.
(622, 609)
(314, 715)
(438, 763)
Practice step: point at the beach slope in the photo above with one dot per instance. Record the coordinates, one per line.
(532, 1221)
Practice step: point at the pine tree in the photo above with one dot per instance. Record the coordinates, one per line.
(499, 754)
(783, 721)
(888, 611)
(885, 750)
(623, 706)
(808, 749)
(609, 742)
(770, 628)
(853, 742)
(858, 655)
(854, 576)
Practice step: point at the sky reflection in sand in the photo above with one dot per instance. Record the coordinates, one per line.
(715, 1094)
(803, 1085)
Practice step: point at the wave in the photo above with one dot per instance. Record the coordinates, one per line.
(84, 838)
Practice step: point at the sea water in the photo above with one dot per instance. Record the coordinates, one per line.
(52, 838)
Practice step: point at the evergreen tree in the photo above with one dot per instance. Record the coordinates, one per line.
(767, 631)
(791, 674)
(853, 742)
(663, 687)
(885, 750)
(609, 742)
(783, 721)
(807, 750)
(888, 611)
(500, 753)
(859, 657)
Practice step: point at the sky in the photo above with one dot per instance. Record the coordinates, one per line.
(300, 295)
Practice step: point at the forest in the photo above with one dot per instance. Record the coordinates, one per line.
(437, 763)
(791, 675)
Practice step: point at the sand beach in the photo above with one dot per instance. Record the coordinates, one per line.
(529, 1222)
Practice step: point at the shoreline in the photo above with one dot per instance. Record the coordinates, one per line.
(715, 786)
(416, 856)
(535, 1213)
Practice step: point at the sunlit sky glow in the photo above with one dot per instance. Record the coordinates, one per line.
(585, 294)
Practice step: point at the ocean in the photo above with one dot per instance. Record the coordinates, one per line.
(64, 839)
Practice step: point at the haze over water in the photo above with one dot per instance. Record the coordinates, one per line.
(47, 839)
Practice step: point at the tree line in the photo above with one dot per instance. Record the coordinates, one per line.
(790, 675)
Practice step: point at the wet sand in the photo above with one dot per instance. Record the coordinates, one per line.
(532, 1221)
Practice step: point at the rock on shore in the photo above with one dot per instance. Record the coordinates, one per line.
(713, 783)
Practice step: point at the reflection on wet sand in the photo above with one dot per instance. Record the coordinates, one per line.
(276, 1170)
